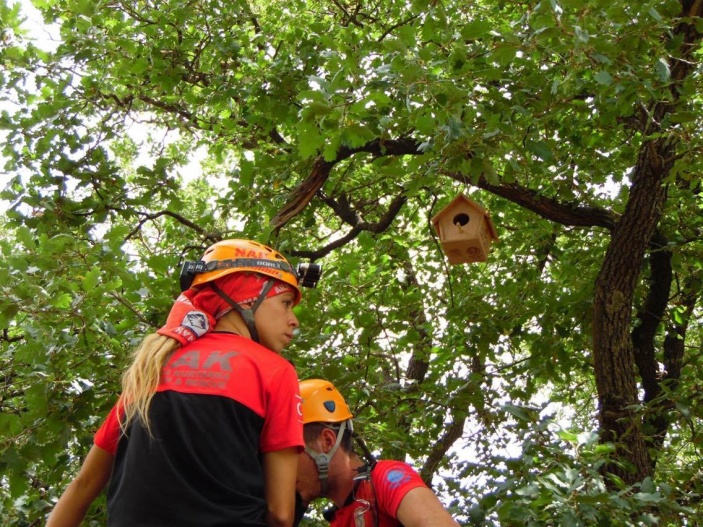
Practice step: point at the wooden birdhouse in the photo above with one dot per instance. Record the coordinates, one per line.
(465, 231)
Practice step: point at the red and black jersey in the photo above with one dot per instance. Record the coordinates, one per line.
(222, 402)
(388, 484)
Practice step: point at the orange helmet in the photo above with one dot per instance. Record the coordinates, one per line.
(238, 256)
(322, 402)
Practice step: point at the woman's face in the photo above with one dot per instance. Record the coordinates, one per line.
(276, 322)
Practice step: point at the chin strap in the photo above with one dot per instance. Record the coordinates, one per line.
(322, 460)
(247, 313)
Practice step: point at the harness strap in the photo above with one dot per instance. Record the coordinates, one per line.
(322, 460)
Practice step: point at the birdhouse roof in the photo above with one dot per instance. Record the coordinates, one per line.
(461, 198)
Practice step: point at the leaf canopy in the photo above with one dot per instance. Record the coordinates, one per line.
(335, 131)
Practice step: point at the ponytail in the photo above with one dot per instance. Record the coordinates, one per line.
(140, 380)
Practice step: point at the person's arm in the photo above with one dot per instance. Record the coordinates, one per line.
(421, 508)
(280, 470)
(85, 487)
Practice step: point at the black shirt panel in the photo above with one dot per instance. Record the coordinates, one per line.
(192, 471)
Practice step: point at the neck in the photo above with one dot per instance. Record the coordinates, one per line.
(341, 487)
(233, 323)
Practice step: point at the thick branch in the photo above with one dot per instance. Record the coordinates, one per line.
(660, 417)
(651, 316)
(440, 449)
(459, 415)
(550, 209)
(342, 208)
(673, 343)
(303, 193)
(613, 347)
(419, 360)
(360, 227)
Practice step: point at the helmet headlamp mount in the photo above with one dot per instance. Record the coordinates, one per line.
(307, 274)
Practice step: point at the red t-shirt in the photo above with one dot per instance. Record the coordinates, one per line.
(223, 400)
(390, 481)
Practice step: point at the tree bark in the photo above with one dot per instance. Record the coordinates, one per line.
(614, 361)
(613, 347)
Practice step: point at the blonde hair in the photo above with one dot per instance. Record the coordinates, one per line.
(140, 380)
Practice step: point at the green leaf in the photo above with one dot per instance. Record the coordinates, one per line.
(567, 436)
(519, 412)
(603, 77)
(10, 425)
(25, 237)
(309, 140)
(503, 54)
(425, 124)
(319, 108)
(476, 29)
(61, 301)
(357, 135)
(540, 149)
(663, 70)
(90, 281)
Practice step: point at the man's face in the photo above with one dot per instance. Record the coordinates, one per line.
(307, 483)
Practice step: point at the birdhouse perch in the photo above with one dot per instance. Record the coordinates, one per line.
(465, 231)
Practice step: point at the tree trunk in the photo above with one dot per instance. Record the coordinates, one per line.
(615, 372)
(613, 349)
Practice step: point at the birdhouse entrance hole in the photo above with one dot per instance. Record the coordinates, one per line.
(461, 219)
